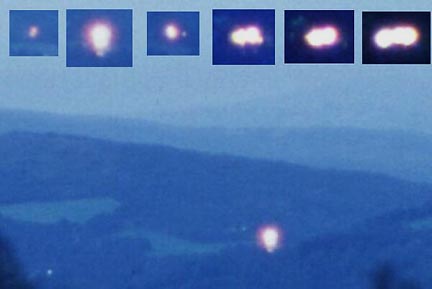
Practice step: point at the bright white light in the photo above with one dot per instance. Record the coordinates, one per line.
(49, 272)
(172, 32)
(396, 36)
(269, 238)
(251, 35)
(33, 31)
(100, 36)
(322, 36)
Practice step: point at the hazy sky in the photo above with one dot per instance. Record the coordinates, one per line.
(184, 90)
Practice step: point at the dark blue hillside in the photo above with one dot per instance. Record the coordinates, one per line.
(89, 256)
(399, 241)
(188, 220)
(195, 194)
(11, 274)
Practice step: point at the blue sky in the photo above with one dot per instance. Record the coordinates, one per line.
(190, 91)
(173, 33)
(33, 33)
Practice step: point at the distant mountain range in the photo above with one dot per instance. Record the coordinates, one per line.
(206, 206)
(400, 154)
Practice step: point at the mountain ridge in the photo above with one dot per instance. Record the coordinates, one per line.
(405, 155)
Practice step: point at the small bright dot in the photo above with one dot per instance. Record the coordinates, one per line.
(251, 35)
(322, 37)
(100, 36)
(396, 36)
(49, 272)
(269, 238)
(172, 32)
(33, 31)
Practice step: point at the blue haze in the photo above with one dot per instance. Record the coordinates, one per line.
(338, 223)
(190, 91)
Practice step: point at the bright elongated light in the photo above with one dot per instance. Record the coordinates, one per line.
(251, 35)
(396, 36)
(269, 238)
(100, 37)
(322, 36)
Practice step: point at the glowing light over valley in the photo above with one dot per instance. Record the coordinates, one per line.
(269, 238)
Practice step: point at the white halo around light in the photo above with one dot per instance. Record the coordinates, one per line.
(172, 32)
(396, 36)
(251, 35)
(100, 36)
(269, 238)
(320, 37)
(33, 31)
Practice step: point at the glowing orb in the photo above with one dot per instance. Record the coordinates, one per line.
(247, 36)
(322, 37)
(269, 238)
(100, 37)
(49, 272)
(172, 32)
(396, 36)
(33, 31)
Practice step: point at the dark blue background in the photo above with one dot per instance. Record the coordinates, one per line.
(46, 44)
(79, 55)
(158, 44)
(224, 52)
(418, 54)
(299, 22)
